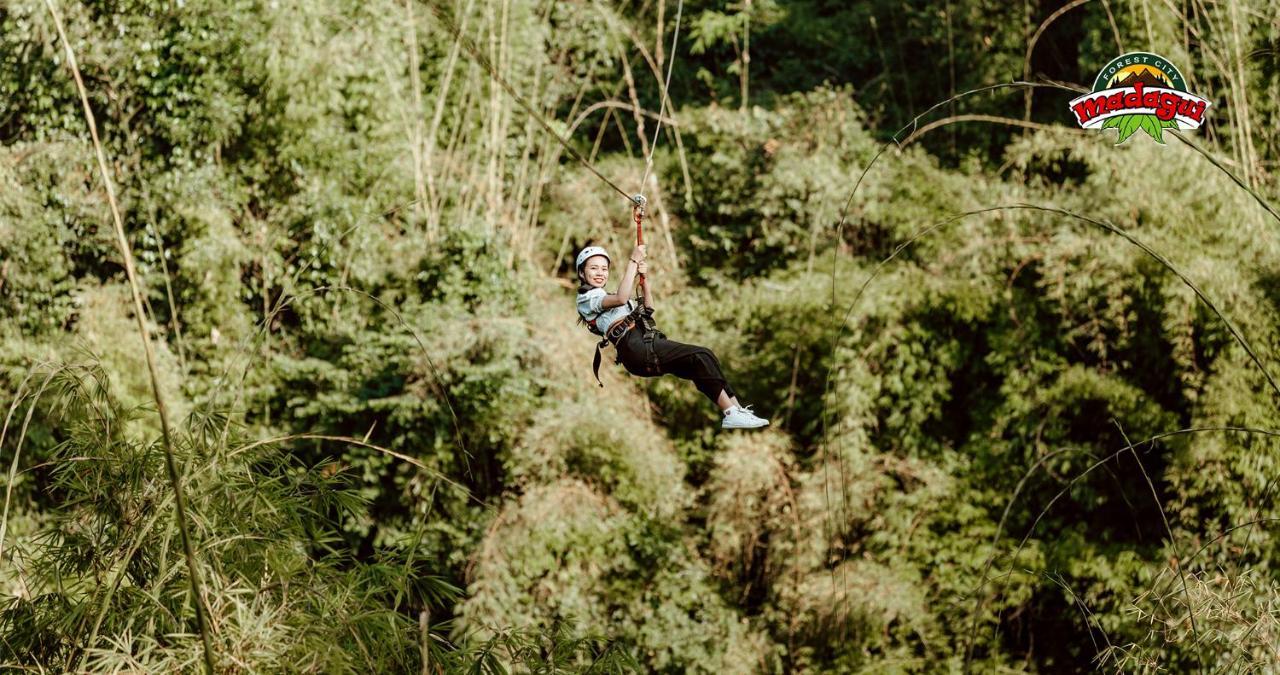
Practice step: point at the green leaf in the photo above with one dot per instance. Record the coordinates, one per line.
(1151, 125)
(1128, 125)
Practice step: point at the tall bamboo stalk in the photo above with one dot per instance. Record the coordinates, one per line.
(437, 118)
(547, 158)
(657, 44)
(173, 305)
(494, 125)
(951, 69)
(504, 58)
(161, 408)
(415, 86)
(529, 173)
(498, 118)
(668, 110)
(744, 74)
(1231, 71)
(635, 100)
(1247, 151)
(1146, 19)
(424, 630)
(449, 166)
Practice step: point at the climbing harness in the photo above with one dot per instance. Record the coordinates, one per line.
(639, 317)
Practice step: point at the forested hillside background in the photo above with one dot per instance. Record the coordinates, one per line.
(1042, 437)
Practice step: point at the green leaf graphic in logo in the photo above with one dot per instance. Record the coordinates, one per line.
(1128, 125)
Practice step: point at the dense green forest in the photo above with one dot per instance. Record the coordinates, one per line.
(1022, 378)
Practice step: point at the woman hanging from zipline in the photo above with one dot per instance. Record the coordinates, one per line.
(642, 349)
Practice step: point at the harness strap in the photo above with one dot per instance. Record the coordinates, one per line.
(651, 333)
(615, 335)
(595, 364)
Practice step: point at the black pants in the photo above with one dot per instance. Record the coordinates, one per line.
(669, 357)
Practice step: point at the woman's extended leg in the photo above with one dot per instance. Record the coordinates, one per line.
(690, 362)
(699, 365)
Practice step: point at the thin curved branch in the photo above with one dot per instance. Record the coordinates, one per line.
(1031, 46)
(621, 105)
(995, 119)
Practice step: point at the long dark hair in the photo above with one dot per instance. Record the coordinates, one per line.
(583, 287)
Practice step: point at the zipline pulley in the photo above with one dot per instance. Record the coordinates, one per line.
(639, 211)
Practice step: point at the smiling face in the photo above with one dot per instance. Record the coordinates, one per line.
(595, 271)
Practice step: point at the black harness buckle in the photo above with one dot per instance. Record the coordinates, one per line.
(617, 330)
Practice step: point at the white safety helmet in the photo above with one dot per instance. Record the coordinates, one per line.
(587, 253)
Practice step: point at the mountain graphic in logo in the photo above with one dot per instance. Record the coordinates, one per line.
(1139, 91)
(1146, 77)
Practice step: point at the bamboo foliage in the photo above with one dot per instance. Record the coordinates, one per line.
(175, 478)
(1021, 380)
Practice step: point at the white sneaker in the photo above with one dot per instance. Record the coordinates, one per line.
(741, 417)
